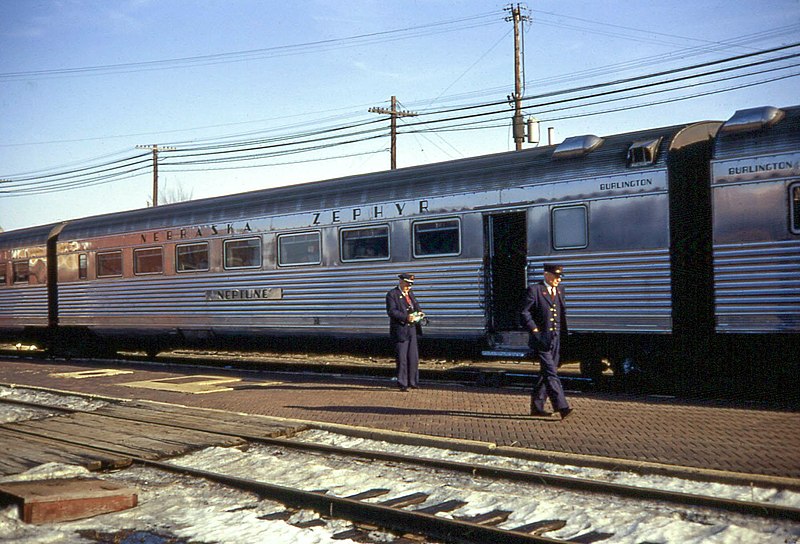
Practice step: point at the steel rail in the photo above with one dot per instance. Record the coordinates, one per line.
(759, 509)
(389, 518)
(394, 519)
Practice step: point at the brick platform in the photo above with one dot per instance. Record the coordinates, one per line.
(634, 430)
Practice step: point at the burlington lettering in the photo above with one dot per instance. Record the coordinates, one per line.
(625, 184)
(754, 168)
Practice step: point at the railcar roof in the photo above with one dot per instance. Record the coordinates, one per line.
(32, 236)
(487, 172)
(780, 137)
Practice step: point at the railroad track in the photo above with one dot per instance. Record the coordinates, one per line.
(366, 510)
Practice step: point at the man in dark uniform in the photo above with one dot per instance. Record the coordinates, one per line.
(544, 314)
(405, 315)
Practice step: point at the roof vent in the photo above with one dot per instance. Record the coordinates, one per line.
(753, 119)
(643, 152)
(577, 146)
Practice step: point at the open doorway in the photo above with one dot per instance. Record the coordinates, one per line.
(506, 268)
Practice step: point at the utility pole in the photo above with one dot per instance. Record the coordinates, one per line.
(518, 124)
(155, 149)
(394, 114)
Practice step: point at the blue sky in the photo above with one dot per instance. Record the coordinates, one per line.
(83, 82)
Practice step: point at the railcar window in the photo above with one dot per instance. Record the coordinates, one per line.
(21, 272)
(437, 238)
(83, 266)
(191, 257)
(299, 249)
(109, 264)
(570, 228)
(794, 192)
(243, 253)
(148, 261)
(370, 244)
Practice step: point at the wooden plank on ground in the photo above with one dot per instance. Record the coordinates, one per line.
(34, 450)
(145, 440)
(170, 435)
(9, 466)
(48, 501)
(217, 415)
(239, 428)
(147, 435)
(31, 452)
(265, 424)
(79, 436)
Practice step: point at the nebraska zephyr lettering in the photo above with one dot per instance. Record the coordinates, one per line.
(191, 233)
(398, 209)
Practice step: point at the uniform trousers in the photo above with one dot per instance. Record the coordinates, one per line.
(407, 360)
(549, 384)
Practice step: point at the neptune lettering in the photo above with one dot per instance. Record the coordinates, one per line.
(266, 293)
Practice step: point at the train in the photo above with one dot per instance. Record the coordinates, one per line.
(680, 245)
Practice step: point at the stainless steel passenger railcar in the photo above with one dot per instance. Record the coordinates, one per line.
(658, 231)
(755, 187)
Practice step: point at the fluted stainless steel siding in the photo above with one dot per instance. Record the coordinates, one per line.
(757, 287)
(623, 291)
(756, 253)
(340, 300)
(23, 307)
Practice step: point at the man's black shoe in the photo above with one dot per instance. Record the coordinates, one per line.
(540, 413)
(565, 412)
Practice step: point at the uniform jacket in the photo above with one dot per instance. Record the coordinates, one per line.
(538, 309)
(398, 309)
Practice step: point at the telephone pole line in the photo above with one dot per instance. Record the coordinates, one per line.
(518, 124)
(155, 149)
(394, 113)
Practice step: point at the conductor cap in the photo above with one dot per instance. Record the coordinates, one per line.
(408, 278)
(556, 269)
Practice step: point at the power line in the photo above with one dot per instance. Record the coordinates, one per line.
(440, 27)
(484, 124)
(425, 103)
(310, 141)
(318, 159)
(629, 79)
